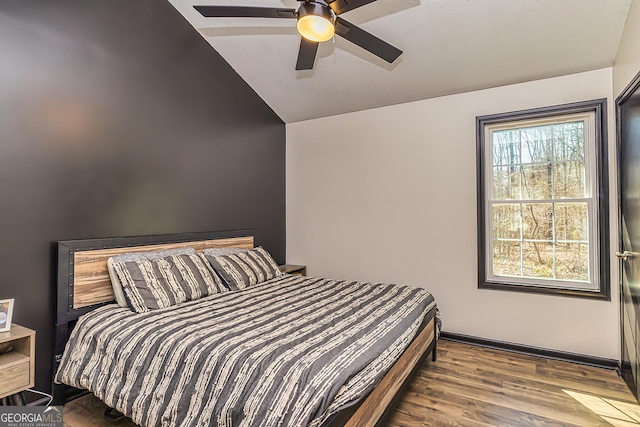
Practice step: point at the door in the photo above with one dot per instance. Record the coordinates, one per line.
(628, 110)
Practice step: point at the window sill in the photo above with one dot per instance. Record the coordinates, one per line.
(574, 293)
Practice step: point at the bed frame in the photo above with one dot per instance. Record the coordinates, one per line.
(84, 285)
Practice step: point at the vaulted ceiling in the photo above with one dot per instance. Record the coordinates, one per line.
(450, 46)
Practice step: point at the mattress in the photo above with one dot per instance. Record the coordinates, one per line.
(292, 351)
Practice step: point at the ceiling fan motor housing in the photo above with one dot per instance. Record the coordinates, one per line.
(316, 8)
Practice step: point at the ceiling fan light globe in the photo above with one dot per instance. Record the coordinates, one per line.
(316, 28)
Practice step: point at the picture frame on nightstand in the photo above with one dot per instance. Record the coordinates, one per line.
(6, 312)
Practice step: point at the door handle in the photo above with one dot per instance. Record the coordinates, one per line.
(624, 255)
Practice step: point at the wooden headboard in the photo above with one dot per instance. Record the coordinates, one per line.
(83, 278)
(91, 284)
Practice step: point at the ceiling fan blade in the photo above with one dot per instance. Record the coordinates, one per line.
(245, 12)
(306, 54)
(342, 6)
(367, 41)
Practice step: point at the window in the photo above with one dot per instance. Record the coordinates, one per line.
(542, 200)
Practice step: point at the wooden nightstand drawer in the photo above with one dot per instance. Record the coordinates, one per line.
(14, 378)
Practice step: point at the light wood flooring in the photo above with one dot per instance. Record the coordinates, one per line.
(476, 386)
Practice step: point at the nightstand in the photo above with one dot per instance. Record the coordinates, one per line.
(17, 367)
(300, 270)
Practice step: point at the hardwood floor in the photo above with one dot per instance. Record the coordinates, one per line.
(476, 386)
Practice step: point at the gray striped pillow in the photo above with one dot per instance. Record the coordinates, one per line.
(223, 251)
(137, 256)
(245, 269)
(163, 282)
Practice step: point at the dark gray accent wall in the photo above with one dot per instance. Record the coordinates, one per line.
(116, 119)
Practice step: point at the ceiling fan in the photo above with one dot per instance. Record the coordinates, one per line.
(318, 21)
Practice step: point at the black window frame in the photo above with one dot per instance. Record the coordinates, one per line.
(599, 108)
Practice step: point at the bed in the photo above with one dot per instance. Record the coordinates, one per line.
(292, 350)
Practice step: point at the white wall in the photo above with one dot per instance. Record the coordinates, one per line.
(627, 63)
(390, 195)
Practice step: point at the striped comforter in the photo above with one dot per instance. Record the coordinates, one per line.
(289, 352)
